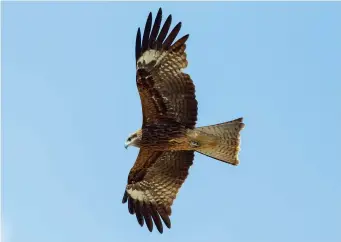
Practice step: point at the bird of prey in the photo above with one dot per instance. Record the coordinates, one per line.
(168, 137)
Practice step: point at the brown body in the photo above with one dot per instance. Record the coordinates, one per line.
(168, 137)
(161, 139)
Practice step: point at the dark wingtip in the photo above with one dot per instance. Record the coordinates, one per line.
(155, 29)
(164, 29)
(125, 197)
(180, 42)
(167, 221)
(164, 214)
(138, 44)
(156, 218)
(147, 216)
(138, 213)
(150, 227)
(131, 205)
(146, 32)
(160, 229)
(171, 37)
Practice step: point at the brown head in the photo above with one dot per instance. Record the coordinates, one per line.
(134, 139)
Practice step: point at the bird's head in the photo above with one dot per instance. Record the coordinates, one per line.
(133, 139)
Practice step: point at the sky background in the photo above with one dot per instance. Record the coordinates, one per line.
(69, 102)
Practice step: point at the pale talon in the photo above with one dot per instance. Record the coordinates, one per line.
(174, 141)
(194, 144)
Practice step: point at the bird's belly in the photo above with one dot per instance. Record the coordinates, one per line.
(165, 138)
(169, 143)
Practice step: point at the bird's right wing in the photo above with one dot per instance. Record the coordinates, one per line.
(165, 91)
(153, 184)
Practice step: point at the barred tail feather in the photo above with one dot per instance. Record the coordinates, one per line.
(221, 141)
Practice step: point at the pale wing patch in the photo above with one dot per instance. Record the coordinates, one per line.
(142, 196)
(150, 56)
(151, 196)
(136, 194)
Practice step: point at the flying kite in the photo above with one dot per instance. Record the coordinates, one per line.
(168, 137)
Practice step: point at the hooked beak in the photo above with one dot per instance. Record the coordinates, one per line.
(126, 144)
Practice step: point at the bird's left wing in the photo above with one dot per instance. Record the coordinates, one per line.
(153, 184)
(166, 92)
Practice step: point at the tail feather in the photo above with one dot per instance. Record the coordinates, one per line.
(221, 141)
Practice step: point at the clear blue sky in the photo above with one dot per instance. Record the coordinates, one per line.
(70, 101)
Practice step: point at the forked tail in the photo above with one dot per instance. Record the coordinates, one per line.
(220, 141)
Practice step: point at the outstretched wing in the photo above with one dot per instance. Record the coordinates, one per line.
(153, 183)
(165, 91)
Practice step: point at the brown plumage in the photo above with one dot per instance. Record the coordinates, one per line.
(168, 137)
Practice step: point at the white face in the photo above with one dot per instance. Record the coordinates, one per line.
(131, 140)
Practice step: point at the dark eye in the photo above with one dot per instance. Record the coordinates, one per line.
(129, 139)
